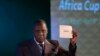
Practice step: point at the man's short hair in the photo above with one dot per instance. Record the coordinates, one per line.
(39, 21)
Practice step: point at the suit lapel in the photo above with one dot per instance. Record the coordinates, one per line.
(48, 47)
(34, 49)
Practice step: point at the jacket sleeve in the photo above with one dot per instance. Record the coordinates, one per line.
(62, 52)
(71, 52)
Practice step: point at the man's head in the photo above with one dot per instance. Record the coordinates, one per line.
(40, 30)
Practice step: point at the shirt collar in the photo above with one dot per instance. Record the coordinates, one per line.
(38, 42)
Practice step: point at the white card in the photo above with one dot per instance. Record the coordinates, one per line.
(65, 31)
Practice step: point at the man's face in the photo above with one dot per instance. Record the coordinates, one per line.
(40, 32)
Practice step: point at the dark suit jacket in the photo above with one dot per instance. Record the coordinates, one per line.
(52, 48)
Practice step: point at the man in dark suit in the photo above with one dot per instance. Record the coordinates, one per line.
(40, 46)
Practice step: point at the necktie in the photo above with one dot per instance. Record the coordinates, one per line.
(42, 48)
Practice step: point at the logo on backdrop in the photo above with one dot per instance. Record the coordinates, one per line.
(79, 6)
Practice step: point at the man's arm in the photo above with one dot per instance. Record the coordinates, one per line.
(71, 52)
(72, 47)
